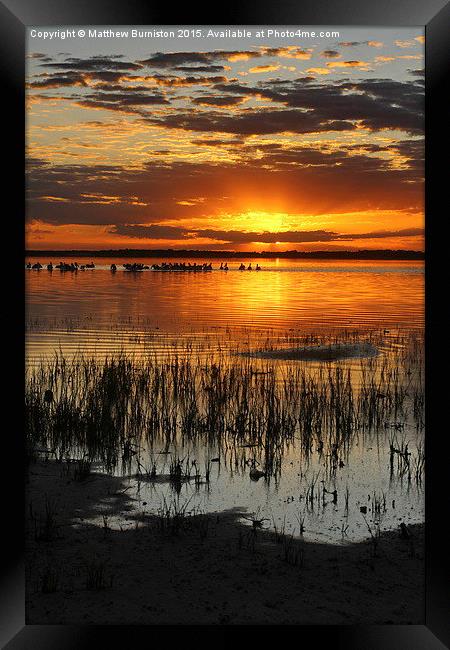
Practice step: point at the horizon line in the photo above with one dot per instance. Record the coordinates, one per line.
(179, 251)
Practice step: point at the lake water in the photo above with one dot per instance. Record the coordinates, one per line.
(206, 313)
(81, 308)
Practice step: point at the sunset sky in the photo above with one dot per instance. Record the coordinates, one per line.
(255, 145)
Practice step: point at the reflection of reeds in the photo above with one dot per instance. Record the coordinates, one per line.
(419, 463)
(105, 410)
(403, 462)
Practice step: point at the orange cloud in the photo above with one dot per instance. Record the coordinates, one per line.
(264, 68)
(318, 71)
(53, 198)
(294, 53)
(347, 64)
(400, 43)
(240, 56)
(308, 163)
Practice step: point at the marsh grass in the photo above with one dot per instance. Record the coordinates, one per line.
(293, 551)
(279, 531)
(45, 525)
(247, 539)
(405, 463)
(375, 536)
(82, 469)
(173, 516)
(96, 576)
(106, 410)
(49, 580)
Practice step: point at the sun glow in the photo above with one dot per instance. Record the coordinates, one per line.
(258, 221)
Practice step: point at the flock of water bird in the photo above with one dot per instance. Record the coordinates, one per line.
(137, 267)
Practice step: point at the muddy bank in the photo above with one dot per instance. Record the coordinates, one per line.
(332, 352)
(138, 568)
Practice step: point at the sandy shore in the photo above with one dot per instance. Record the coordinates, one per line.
(215, 570)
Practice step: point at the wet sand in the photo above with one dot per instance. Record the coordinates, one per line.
(215, 570)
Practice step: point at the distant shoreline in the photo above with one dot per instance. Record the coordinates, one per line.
(168, 253)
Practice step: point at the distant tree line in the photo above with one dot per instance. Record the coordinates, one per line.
(293, 254)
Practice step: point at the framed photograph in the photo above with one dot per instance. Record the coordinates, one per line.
(227, 247)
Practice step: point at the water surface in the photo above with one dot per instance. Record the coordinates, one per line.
(217, 313)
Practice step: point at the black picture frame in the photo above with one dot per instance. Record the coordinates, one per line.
(15, 16)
